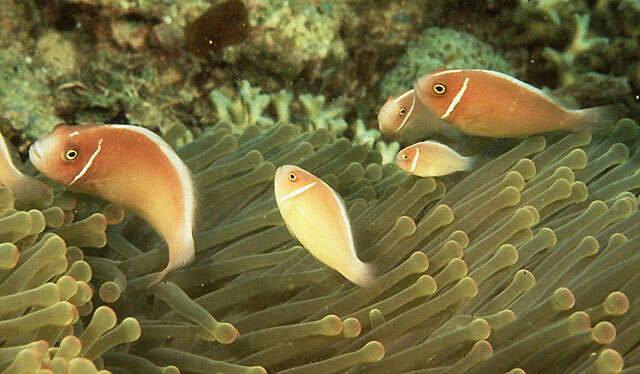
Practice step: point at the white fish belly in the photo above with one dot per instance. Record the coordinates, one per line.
(322, 235)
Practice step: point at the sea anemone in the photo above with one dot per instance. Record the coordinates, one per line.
(528, 263)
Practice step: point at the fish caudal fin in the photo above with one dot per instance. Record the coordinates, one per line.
(178, 257)
(600, 119)
(469, 163)
(157, 277)
(363, 275)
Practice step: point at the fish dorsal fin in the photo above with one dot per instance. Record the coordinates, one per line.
(439, 69)
(345, 218)
(565, 102)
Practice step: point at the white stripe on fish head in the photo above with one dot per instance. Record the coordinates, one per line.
(297, 191)
(87, 166)
(414, 163)
(456, 99)
(413, 104)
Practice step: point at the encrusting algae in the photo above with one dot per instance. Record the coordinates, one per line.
(530, 256)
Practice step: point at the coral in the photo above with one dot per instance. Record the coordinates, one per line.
(27, 105)
(371, 138)
(287, 37)
(388, 151)
(376, 34)
(251, 107)
(244, 109)
(592, 89)
(145, 90)
(58, 53)
(630, 9)
(440, 47)
(170, 12)
(565, 61)
(248, 106)
(12, 20)
(548, 7)
(364, 136)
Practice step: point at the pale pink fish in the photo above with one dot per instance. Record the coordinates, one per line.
(130, 166)
(432, 159)
(492, 104)
(28, 192)
(404, 118)
(317, 218)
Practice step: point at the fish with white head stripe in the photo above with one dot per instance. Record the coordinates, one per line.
(130, 166)
(316, 216)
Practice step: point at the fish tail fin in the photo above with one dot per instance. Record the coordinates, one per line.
(470, 163)
(600, 119)
(157, 277)
(364, 275)
(177, 259)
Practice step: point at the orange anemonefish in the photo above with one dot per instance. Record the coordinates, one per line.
(404, 117)
(431, 159)
(27, 190)
(128, 165)
(317, 217)
(492, 104)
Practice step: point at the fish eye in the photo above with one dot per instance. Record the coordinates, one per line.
(405, 156)
(403, 110)
(71, 154)
(292, 177)
(439, 88)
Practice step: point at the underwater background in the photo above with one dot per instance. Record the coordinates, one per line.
(528, 264)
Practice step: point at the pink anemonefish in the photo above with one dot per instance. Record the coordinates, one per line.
(28, 192)
(432, 159)
(491, 104)
(404, 117)
(316, 216)
(130, 166)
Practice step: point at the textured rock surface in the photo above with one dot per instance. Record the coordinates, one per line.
(441, 47)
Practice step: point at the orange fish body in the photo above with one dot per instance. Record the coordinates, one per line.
(492, 104)
(128, 165)
(404, 117)
(316, 216)
(431, 159)
(27, 190)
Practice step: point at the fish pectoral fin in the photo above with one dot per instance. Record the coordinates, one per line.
(309, 227)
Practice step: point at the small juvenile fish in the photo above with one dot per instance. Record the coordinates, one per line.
(28, 192)
(492, 104)
(130, 166)
(432, 159)
(404, 117)
(316, 216)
